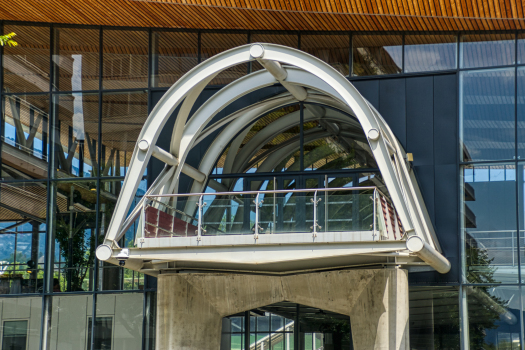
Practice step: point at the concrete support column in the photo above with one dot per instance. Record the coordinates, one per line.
(379, 318)
(190, 307)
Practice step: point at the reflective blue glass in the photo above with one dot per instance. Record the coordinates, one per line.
(487, 121)
(377, 54)
(489, 223)
(425, 53)
(487, 50)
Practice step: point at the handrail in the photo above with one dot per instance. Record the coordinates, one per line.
(322, 189)
(256, 229)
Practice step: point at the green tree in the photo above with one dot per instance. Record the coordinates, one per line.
(481, 270)
(7, 39)
(77, 251)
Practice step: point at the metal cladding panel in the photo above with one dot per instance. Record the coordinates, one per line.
(370, 90)
(422, 113)
(392, 106)
(446, 142)
(425, 179)
(420, 119)
(447, 214)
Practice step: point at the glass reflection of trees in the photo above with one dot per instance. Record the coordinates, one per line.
(331, 140)
(75, 229)
(377, 54)
(493, 314)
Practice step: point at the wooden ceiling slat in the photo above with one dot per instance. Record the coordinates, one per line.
(336, 15)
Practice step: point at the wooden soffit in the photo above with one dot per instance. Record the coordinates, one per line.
(318, 15)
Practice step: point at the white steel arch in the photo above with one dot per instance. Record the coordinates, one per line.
(307, 79)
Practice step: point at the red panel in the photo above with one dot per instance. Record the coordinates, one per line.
(152, 216)
(180, 226)
(165, 221)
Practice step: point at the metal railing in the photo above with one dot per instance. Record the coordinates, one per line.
(342, 209)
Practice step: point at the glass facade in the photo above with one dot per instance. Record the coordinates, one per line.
(71, 115)
(492, 189)
(68, 94)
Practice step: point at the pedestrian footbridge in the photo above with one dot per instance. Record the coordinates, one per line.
(265, 228)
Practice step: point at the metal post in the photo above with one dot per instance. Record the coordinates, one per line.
(256, 228)
(375, 213)
(71, 209)
(274, 204)
(326, 204)
(315, 214)
(199, 227)
(143, 222)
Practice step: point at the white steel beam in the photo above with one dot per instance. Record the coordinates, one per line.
(309, 72)
(275, 68)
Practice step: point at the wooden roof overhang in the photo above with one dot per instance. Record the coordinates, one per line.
(315, 15)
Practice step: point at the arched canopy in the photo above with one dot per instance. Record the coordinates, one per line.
(307, 79)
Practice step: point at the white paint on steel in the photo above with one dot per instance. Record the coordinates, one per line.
(143, 145)
(373, 134)
(428, 254)
(257, 51)
(308, 72)
(103, 252)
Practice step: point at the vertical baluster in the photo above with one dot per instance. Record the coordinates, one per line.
(274, 204)
(315, 214)
(143, 221)
(375, 214)
(256, 228)
(199, 227)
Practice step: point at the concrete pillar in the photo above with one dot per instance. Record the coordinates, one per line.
(379, 318)
(190, 307)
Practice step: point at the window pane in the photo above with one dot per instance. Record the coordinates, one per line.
(215, 43)
(126, 311)
(255, 155)
(150, 319)
(333, 49)
(487, 50)
(69, 320)
(434, 318)
(26, 66)
(76, 59)
(272, 38)
(76, 135)
(103, 333)
(489, 224)
(74, 235)
(425, 53)
(521, 48)
(15, 328)
(521, 215)
(377, 54)
(487, 114)
(334, 153)
(22, 239)
(521, 112)
(123, 116)
(20, 320)
(15, 335)
(493, 317)
(173, 54)
(25, 136)
(125, 58)
(112, 277)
